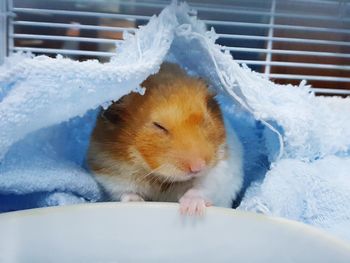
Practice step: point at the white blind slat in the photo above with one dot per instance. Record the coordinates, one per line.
(309, 77)
(288, 52)
(78, 26)
(79, 13)
(65, 38)
(294, 64)
(63, 51)
(285, 39)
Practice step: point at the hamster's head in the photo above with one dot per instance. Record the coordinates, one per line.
(175, 131)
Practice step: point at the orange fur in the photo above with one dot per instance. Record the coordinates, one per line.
(128, 134)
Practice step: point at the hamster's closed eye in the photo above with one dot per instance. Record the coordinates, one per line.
(160, 127)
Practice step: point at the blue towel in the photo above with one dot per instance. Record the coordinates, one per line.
(46, 168)
(296, 145)
(316, 193)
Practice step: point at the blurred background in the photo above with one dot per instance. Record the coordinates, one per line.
(287, 40)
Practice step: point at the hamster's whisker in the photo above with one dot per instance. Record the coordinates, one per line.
(165, 180)
(172, 183)
(112, 165)
(143, 177)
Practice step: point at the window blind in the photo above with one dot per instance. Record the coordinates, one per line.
(286, 40)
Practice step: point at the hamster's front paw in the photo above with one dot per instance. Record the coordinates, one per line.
(193, 203)
(131, 197)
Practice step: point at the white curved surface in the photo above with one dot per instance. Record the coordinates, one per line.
(155, 232)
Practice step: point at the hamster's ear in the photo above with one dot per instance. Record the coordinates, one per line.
(115, 112)
(212, 104)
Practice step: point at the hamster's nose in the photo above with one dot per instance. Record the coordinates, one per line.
(197, 165)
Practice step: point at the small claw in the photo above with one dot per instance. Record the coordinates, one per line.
(184, 206)
(201, 208)
(131, 197)
(193, 205)
(208, 203)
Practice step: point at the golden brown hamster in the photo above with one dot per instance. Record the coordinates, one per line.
(170, 144)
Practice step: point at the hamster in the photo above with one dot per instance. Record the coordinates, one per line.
(170, 144)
